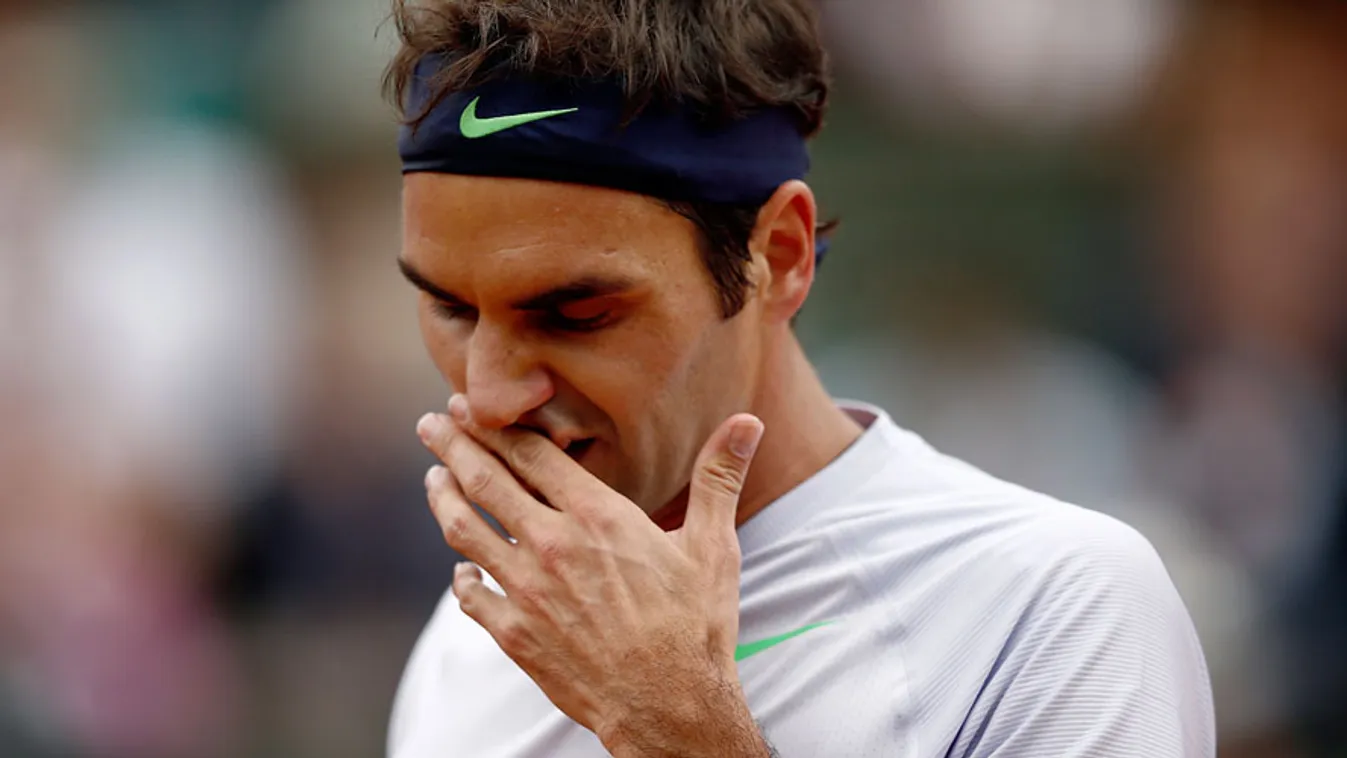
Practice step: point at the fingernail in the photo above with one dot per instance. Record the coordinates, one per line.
(435, 477)
(458, 408)
(744, 438)
(428, 426)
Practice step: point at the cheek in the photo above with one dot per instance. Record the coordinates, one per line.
(635, 373)
(447, 345)
(621, 382)
(667, 396)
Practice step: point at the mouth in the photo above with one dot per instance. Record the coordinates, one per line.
(577, 449)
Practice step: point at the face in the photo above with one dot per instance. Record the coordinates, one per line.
(581, 312)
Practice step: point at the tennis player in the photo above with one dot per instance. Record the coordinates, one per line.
(605, 213)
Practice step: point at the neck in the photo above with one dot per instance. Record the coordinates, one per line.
(805, 431)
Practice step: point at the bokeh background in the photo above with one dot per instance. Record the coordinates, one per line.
(1096, 247)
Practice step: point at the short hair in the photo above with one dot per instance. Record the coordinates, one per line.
(724, 59)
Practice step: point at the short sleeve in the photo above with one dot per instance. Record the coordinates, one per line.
(1103, 663)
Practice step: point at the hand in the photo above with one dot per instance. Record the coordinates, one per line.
(630, 631)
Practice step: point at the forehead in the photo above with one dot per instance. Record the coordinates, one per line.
(488, 231)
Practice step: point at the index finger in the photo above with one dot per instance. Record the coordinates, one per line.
(535, 460)
(482, 477)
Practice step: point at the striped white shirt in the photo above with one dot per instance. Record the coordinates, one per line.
(960, 616)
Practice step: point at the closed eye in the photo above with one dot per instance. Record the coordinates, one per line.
(549, 322)
(581, 307)
(557, 322)
(578, 316)
(453, 311)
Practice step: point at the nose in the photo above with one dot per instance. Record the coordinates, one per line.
(504, 381)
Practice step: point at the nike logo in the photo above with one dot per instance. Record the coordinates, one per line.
(473, 127)
(753, 648)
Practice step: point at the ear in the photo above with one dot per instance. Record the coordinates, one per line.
(784, 237)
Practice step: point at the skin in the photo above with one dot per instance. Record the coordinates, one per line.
(563, 313)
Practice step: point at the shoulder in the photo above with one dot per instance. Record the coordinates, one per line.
(981, 516)
(1069, 546)
(1083, 566)
(930, 529)
(1071, 621)
(1100, 643)
(922, 493)
(1063, 556)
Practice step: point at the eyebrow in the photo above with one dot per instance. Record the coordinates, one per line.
(420, 282)
(584, 288)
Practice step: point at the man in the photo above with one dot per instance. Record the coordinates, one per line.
(605, 214)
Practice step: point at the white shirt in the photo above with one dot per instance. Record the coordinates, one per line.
(964, 617)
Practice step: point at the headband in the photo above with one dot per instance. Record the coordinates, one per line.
(574, 133)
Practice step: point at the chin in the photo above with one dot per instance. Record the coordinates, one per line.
(615, 473)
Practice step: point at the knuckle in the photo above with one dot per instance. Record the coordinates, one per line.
(528, 595)
(601, 520)
(512, 636)
(479, 482)
(722, 476)
(526, 455)
(468, 602)
(456, 528)
(552, 553)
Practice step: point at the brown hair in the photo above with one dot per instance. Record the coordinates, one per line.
(723, 58)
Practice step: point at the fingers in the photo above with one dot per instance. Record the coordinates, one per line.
(463, 529)
(535, 459)
(478, 601)
(481, 477)
(718, 478)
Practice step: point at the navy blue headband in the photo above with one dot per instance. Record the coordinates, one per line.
(573, 133)
(665, 152)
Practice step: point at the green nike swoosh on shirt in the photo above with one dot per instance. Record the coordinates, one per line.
(473, 127)
(753, 648)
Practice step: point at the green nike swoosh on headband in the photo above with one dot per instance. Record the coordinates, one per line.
(473, 127)
(753, 648)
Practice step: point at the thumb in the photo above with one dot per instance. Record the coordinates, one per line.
(718, 478)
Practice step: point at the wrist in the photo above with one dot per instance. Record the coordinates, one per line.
(711, 720)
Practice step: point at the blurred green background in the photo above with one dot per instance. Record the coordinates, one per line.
(1094, 248)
